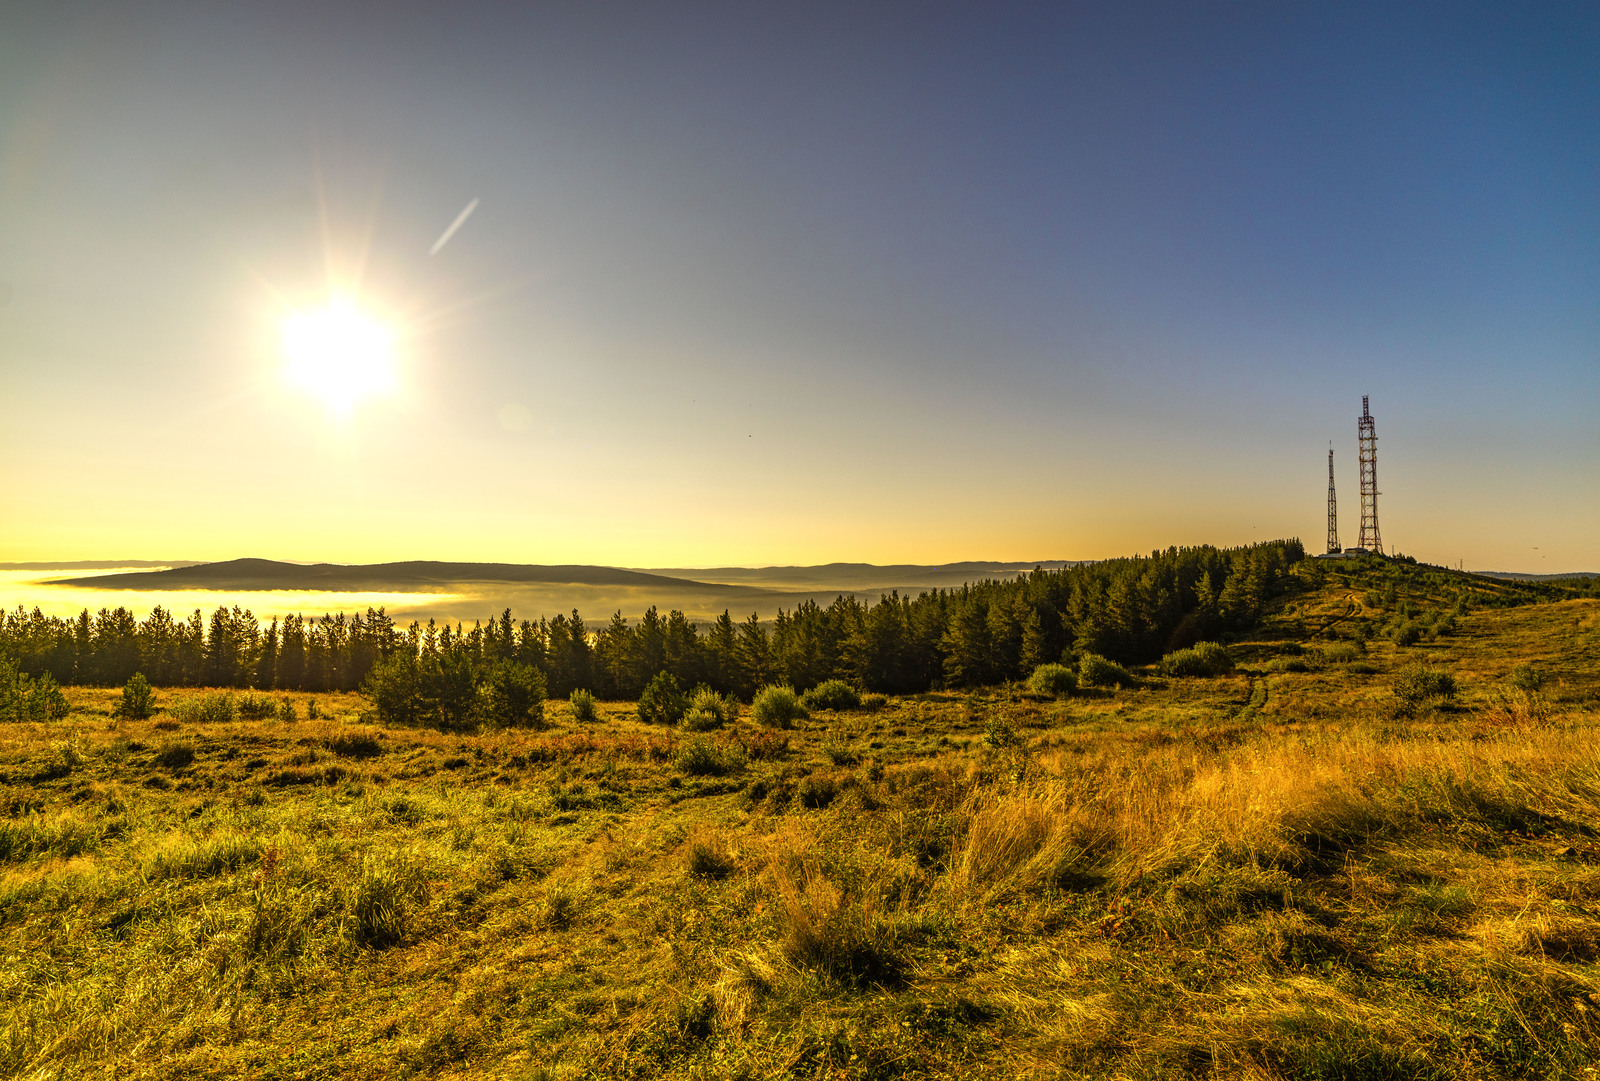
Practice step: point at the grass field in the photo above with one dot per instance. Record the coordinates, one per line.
(1279, 872)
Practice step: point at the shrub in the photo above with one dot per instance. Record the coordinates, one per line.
(213, 707)
(1341, 653)
(708, 710)
(701, 755)
(286, 712)
(777, 706)
(662, 702)
(583, 711)
(1527, 678)
(1052, 679)
(836, 746)
(765, 745)
(513, 696)
(1200, 659)
(254, 707)
(833, 694)
(1418, 685)
(708, 858)
(1000, 734)
(1096, 671)
(874, 701)
(23, 698)
(138, 700)
(1406, 633)
(175, 754)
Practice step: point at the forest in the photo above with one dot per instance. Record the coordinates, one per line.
(1131, 610)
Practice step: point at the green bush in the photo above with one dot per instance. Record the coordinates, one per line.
(709, 710)
(23, 698)
(1096, 671)
(175, 754)
(777, 706)
(1000, 734)
(583, 710)
(1419, 685)
(212, 707)
(1341, 653)
(138, 700)
(836, 745)
(1406, 633)
(833, 694)
(701, 755)
(254, 707)
(1200, 659)
(662, 702)
(286, 711)
(1052, 679)
(874, 701)
(513, 696)
(1527, 678)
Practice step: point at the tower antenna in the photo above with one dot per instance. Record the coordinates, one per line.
(1333, 509)
(1367, 437)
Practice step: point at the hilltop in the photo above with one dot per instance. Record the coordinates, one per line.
(1299, 867)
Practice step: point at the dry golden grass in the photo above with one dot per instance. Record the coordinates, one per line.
(1268, 874)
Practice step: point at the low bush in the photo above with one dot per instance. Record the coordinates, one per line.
(1052, 679)
(1527, 678)
(874, 701)
(212, 707)
(765, 745)
(286, 710)
(663, 702)
(1200, 659)
(1341, 653)
(703, 756)
(255, 707)
(23, 698)
(1000, 734)
(1419, 685)
(1096, 671)
(175, 754)
(583, 708)
(138, 700)
(836, 746)
(708, 710)
(1406, 633)
(777, 706)
(833, 694)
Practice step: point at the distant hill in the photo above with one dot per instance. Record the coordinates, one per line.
(865, 577)
(97, 564)
(414, 576)
(1519, 577)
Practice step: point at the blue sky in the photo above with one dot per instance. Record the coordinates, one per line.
(762, 283)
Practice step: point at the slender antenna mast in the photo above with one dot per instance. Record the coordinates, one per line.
(1333, 509)
(1367, 437)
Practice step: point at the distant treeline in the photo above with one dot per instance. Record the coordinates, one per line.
(1131, 610)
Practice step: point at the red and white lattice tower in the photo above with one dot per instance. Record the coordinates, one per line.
(1367, 437)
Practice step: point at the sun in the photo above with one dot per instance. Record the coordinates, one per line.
(340, 353)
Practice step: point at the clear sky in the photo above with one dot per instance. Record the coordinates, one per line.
(758, 283)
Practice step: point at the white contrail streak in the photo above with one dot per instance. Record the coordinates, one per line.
(450, 232)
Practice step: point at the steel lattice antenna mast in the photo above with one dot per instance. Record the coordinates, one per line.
(1367, 436)
(1333, 509)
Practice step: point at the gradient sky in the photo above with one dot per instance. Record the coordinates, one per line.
(758, 283)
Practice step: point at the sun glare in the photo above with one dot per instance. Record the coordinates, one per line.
(339, 353)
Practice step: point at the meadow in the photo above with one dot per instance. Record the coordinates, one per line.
(1309, 866)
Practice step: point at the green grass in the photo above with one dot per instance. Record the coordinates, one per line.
(1273, 872)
